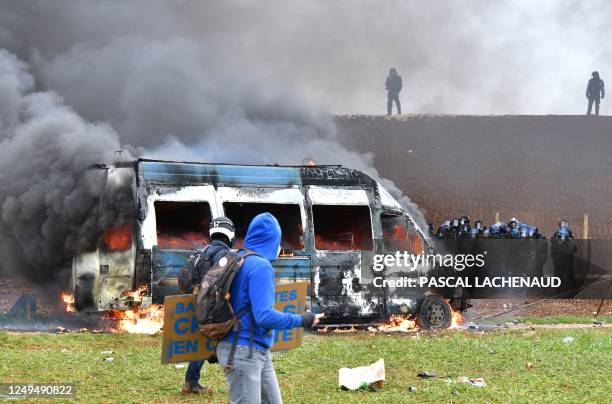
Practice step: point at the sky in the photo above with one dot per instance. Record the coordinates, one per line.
(455, 56)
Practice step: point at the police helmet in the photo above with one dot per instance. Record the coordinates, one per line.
(563, 224)
(222, 226)
(595, 74)
(392, 71)
(513, 222)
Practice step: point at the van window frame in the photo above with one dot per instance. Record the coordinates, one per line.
(271, 195)
(314, 233)
(194, 202)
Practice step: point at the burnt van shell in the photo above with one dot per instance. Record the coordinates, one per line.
(335, 270)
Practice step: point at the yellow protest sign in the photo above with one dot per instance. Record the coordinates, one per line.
(182, 340)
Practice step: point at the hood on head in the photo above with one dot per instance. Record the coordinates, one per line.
(264, 235)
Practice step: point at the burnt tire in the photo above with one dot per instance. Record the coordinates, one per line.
(434, 314)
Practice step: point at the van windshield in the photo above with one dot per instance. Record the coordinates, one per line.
(342, 227)
(182, 225)
(399, 235)
(288, 216)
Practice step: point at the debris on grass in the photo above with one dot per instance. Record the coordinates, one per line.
(427, 375)
(180, 365)
(107, 359)
(529, 365)
(372, 376)
(478, 381)
(412, 389)
(106, 353)
(568, 340)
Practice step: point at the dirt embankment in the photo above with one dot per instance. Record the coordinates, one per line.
(538, 168)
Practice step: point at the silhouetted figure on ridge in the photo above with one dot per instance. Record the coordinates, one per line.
(393, 86)
(594, 92)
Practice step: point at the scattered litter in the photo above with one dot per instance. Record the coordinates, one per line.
(412, 389)
(106, 353)
(492, 351)
(529, 365)
(427, 375)
(64, 350)
(568, 340)
(455, 392)
(598, 322)
(107, 359)
(372, 376)
(472, 326)
(478, 381)
(180, 365)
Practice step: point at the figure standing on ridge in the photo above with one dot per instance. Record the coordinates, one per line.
(595, 90)
(394, 86)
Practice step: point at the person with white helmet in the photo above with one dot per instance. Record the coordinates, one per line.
(222, 234)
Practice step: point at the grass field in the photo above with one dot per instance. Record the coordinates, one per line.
(576, 372)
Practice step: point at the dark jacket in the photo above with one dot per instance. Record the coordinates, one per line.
(254, 286)
(595, 88)
(394, 84)
(208, 257)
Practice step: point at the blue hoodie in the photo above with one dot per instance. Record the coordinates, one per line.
(254, 285)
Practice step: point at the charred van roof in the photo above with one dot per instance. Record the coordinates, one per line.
(192, 173)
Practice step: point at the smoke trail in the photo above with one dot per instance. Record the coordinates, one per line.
(168, 91)
(48, 198)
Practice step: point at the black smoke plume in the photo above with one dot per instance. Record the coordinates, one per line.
(82, 80)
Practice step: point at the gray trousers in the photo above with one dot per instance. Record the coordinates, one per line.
(593, 100)
(252, 380)
(390, 98)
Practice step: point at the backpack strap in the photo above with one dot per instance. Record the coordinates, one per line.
(203, 252)
(237, 324)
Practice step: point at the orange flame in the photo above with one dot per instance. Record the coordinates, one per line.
(149, 320)
(457, 319)
(68, 300)
(399, 323)
(118, 238)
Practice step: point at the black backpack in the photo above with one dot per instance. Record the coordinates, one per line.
(191, 273)
(214, 312)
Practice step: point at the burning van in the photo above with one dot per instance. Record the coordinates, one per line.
(333, 220)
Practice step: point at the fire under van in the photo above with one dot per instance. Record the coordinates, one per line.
(333, 221)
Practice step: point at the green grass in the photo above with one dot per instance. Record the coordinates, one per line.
(577, 372)
(563, 319)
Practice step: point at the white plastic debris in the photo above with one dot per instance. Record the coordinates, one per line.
(180, 365)
(106, 353)
(363, 376)
(568, 340)
(478, 381)
(107, 359)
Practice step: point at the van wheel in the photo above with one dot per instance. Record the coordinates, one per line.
(434, 314)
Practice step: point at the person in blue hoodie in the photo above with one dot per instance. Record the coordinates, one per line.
(250, 375)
